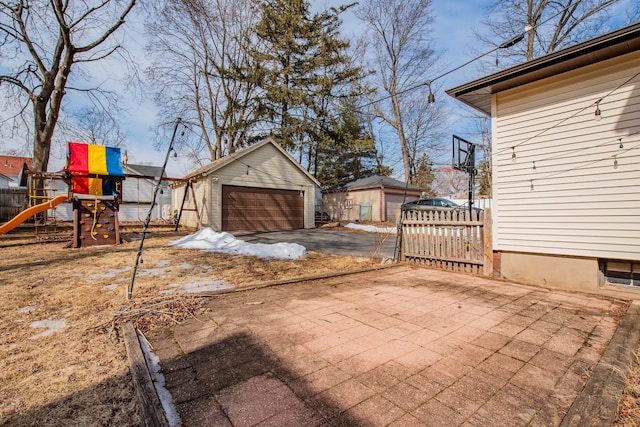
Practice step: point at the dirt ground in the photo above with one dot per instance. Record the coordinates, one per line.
(62, 361)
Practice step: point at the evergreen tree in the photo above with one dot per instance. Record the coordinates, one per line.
(304, 67)
(423, 175)
(346, 151)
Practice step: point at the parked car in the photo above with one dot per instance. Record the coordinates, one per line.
(434, 204)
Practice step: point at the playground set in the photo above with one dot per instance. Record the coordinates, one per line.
(94, 176)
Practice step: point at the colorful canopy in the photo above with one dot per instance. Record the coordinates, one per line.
(86, 161)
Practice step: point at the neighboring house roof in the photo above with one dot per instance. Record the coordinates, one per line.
(238, 155)
(144, 170)
(12, 165)
(5, 177)
(477, 93)
(371, 181)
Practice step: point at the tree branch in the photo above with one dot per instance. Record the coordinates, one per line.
(110, 31)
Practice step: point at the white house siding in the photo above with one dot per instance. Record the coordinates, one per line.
(136, 200)
(575, 202)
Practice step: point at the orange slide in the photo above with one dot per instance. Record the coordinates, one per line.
(22, 216)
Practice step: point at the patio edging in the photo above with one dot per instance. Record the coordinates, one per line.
(597, 403)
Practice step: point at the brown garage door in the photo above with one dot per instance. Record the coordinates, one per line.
(248, 208)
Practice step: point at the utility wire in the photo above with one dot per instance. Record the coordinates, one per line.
(555, 125)
(506, 44)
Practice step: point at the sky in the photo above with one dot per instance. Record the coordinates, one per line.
(462, 16)
(453, 27)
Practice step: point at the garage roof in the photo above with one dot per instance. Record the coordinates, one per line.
(371, 181)
(477, 93)
(216, 165)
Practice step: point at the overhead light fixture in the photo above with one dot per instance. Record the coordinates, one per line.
(598, 114)
(431, 98)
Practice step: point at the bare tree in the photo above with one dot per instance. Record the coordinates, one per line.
(40, 42)
(449, 182)
(547, 25)
(94, 126)
(399, 51)
(202, 71)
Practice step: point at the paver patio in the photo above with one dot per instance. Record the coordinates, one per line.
(401, 346)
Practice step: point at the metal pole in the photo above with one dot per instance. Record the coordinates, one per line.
(470, 191)
(153, 203)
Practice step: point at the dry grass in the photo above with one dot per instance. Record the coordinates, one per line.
(79, 375)
(629, 406)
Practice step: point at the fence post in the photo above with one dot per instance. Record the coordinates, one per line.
(488, 246)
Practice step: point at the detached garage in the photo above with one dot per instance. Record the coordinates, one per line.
(258, 188)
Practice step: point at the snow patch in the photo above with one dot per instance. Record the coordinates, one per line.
(27, 309)
(212, 241)
(372, 228)
(195, 287)
(50, 326)
(153, 363)
(110, 273)
(158, 269)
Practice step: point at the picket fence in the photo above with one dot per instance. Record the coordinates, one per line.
(458, 241)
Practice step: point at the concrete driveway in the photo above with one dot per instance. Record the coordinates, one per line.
(337, 242)
(400, 346)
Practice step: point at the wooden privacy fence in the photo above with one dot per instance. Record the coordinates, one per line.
(456, 240)
(12, 202)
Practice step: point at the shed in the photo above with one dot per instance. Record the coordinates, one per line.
(566, 163)
(137, 194)
(260, 187)
(369, 198)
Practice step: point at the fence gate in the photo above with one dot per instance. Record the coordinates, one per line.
(458, 241)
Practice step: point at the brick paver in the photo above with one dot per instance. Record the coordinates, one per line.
(401, 346)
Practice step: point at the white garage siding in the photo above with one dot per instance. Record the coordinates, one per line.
(575, 201)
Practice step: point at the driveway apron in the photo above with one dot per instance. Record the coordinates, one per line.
(402, 347)
(336, 242)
